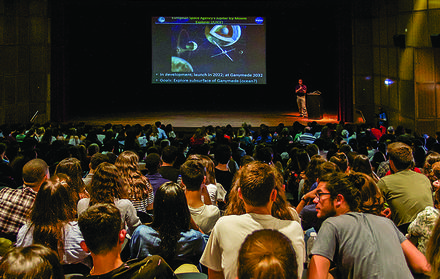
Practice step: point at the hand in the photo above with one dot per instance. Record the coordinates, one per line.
(386, 212)
(436, 185)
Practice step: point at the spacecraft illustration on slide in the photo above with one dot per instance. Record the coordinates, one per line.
(221, 36)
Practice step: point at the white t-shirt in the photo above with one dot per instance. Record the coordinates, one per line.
(229, 233)
(205, 217)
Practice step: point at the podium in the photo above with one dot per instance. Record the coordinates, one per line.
(313, 104)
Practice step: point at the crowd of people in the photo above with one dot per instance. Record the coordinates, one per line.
(303, 201)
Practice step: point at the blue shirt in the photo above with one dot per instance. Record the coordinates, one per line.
(156, 181)
(145, 242)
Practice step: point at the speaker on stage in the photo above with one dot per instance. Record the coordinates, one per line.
(314, 105)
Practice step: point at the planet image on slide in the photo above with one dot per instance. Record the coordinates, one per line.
(180, 65)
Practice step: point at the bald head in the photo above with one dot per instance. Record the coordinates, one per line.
(35, 173)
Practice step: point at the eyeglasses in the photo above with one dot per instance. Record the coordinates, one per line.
(318, 195)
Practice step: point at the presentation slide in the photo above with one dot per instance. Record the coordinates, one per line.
(208, 50)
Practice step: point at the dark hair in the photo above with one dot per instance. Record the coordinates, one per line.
(372, 200)
(267, 254)
(340, 183)
(97, 159)
(341, 160)
(72, 168)
(100, 225)
(193, 173)
(171, 217)
(169, 154)
(223, 154)
(54, 207)
(256, 181)
(106, 184)
(152, 163)
(34, 261)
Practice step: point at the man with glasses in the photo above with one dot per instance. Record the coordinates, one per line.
(358, 245)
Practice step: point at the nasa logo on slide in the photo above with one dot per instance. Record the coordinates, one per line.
(161, 19)
(259, 20)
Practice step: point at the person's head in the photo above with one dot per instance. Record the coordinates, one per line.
(170, 206)
(193, 175)
(362, 164)
(169, 154)
(257, 182)
(171, 217)
(92, 149)
(35, 172)
(336, 195)
(152, 163)
(300, 81)
(101, 227)
(127, 161)
(263, 153)
(223, 154)
(401, 157)
(267, 254)
(372, 200)
(341, 160)
(54, 205)
(106, 184)
(34, 261)
(97, 159)
(72, 168)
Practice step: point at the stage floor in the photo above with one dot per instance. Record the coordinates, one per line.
(193, 119)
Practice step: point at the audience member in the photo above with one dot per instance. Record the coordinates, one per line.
(421, 228)
(267, 254)
(52, 221)
(361, 245)
(216, 192)
(257, 187)
(204, 214)
(104, 236)
(281, 208)
(72, 168)
(362, 164)
(223, 175)
(95, 160)
(167, 170)
(433, 251)
(152, 164)
(34, 261)
(341, 160)
(406, 192)
(169, 235)
(15, 203)
(140, 191)
(107, 187)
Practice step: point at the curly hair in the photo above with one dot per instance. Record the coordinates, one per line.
(139, 187)
(372, 200)
(343, 184)
(106, 185)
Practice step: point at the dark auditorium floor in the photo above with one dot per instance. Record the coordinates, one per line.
(194, 119)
